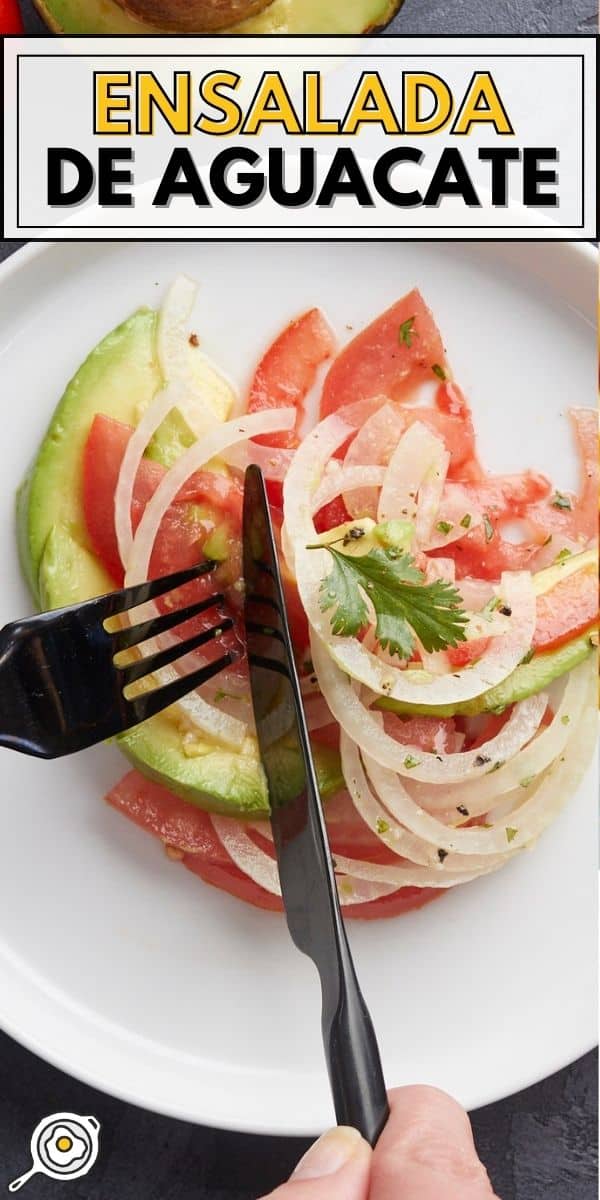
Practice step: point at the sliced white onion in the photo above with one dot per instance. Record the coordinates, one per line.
(164, 402)
(454, 507)
(212, 721)
(208, 719)
(303, 479)
(179, 364)
(525, 821)
(431, 871)
(478, 795)
(345, 480)
(373, 445)
(365, 728)
(261, 868)
(420, 458)
(211, 444)
(273, 461)
(414, 686)
(172, 332)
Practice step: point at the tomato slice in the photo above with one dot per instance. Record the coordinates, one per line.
(484, 553)
(189, 830)
(436, 735)
(287, 371)
(102, 458)
(207, 500)
(396, 351)
(331, 515)
(569, 608)
(578, 520)
(467, 652)
(157, 810)
(10, 17)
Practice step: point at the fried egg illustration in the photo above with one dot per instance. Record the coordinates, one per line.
(63, 1148)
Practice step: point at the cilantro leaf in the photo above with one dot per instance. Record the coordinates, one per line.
(406, 333)
(405, 605)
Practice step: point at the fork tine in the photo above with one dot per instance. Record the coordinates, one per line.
(124, 638)
(150, 703)
(139, 593)
(153, 662)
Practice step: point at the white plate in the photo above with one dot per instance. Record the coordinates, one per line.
(122, 968)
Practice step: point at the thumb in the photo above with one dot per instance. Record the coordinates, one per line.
(334, 1168)
(426, 1151)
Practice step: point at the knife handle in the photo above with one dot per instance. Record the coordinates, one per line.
(353, 1060)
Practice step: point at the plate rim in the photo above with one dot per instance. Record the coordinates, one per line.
(94, 1076)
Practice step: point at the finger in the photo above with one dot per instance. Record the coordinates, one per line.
(334, 1168)
(426, 1151)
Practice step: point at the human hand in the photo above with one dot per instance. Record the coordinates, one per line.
(426, 1152)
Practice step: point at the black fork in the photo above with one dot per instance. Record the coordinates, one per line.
(60, 687)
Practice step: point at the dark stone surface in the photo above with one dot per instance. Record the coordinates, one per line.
(462, 16)
(537, 1145)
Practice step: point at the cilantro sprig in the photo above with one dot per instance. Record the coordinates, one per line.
(405, 605)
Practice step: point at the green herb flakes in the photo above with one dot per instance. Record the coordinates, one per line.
(410, 762)
(565, 720)
(444, 526)
(524, 783)
(496, 766)
(466, 521)
(511, 833)
(406, 332)
(382, 826)
(440, 372)
(560, 501)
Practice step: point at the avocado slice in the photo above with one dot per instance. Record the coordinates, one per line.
(119, 378)
(525, 680)
(281, 17)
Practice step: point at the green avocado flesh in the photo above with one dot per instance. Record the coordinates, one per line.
(281, 17)
(119, 378)
(526, 680)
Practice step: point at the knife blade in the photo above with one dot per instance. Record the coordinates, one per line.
(304, 859)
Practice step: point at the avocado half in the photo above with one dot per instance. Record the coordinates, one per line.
(119, 379)
(279, 17)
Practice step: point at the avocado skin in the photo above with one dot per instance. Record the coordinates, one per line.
(525, 680)
(281, 17)
(119, 378)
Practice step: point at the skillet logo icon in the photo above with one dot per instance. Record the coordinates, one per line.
(63, 1146)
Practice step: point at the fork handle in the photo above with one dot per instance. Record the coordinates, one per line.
(353, 1060)
(14, 709)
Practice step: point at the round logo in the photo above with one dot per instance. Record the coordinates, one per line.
(63, 1146)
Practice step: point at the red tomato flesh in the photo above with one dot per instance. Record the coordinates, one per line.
(578, 522)
(10, 17)
(568, 609)
(287, 371)
(393, 353)
(206, 500)
(187, 829)
(484, 553)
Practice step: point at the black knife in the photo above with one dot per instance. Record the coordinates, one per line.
(306, 869)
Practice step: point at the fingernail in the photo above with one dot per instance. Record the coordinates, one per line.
(332, 1151)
